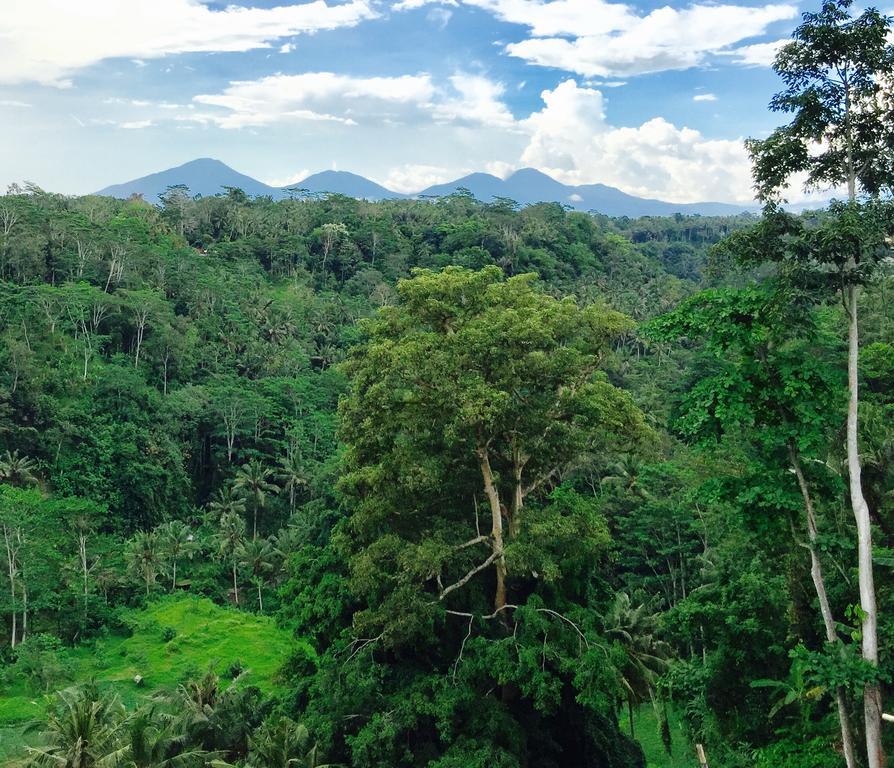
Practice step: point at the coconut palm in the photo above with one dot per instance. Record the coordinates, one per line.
(17, 470)
(289, 539)
(283, 743)
(229, 538)
(253, 484)
(82, 730)
(152, 740)
(226, 501)
(143, 557)
(292, 476)
(258, 558)
(176, 541)
(646, 656)
(625, 474)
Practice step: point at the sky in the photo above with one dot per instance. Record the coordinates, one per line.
(651, 98)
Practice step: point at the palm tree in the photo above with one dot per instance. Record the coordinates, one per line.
(292, 476)
(646, 656)
(289, 540)
(253, 482)
(625, 473)
(176, 540)
(229, 538)
(143, 557)
(152, 741)
(83, 730)
(283, 743)
(17, 470)
(226, 501)
(258, 557)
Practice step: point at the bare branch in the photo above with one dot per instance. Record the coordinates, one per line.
(496, 554)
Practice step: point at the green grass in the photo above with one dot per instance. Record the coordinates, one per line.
(646, 727)
(203, 634)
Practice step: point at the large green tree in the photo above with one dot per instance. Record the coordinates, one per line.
(473, 564)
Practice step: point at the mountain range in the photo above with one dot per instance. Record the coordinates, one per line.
(207, 176)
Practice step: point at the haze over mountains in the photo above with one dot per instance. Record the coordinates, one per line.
(207, 176)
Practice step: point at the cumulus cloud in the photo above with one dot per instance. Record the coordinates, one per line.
(477, 100)
(411, 178)
(86, 32)
(311, 96)
(595, 38)
(571, 139)
(759, 54)
(315, 96)
(665, 39)
(704, 97)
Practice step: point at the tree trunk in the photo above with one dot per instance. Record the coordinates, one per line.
(11, 565)
(496, 516)
(235, 585)
(816, 573)
(260, 599)
(82, 554)
(872, 699)
(517, 500)
(24, 611)
(174, 575)
(630, 715)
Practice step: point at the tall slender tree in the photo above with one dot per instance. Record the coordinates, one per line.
(229, 538)
(838, 72)
(253, 483)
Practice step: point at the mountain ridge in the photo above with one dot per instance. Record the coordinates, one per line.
(208, 176)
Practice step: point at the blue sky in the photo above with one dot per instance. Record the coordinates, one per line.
(654, 99)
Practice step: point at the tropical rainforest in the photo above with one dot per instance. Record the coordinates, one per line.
(451, 484)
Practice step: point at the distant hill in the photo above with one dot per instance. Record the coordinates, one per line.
(344, 183)
(206, 176)
(529, 185)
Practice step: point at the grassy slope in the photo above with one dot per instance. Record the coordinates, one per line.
(205, 634)
(646, 727)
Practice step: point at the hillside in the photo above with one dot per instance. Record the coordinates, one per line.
(170, 641)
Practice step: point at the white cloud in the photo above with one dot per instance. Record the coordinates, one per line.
(287, 47)
(571, 140)
(759, 54)
(704, 97)
(665, 39)
(410, 5)
(315, 96)
(312, 96)
(596, 38)
(288, 181)
(136, 124)
(440, 17)
(86, 32)
(477, 100)
(412, 178)
(500, 168)
(14, 103)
